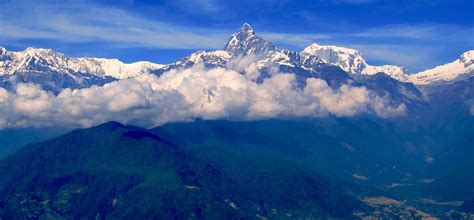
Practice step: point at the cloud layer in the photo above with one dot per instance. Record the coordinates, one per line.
(183, 95)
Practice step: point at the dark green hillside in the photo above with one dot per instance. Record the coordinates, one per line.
(114, 171)
(335, 147)
(283, 183)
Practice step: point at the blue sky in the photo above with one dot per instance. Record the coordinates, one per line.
(416, 34)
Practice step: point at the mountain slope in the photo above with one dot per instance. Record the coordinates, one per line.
(107, 171)
(245, 42)
(114, 171)
(459, 69)
(351, 61)
(39, 59)
(56, 71)
(336, 147)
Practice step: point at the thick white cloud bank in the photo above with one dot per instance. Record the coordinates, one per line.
(183, 95)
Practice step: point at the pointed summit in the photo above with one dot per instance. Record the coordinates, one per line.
(3, 53)
(467, 57)
(245, 42)
(246, 28)
(109, 126)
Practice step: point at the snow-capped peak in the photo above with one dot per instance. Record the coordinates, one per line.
(218, 57)
(458, 69)
(350, 60)
(40, 51)
(245, 42)
(32, 59)
(112, 67)
(314, 47)
(247, 29)
(467, 57)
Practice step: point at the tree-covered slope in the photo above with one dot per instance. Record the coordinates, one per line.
(114, 171)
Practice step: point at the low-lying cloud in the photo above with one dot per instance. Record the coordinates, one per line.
(183, 95)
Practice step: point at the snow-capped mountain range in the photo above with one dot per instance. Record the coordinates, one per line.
(38, 59)
(56, 71)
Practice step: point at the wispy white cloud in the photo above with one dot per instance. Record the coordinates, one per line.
(418, 57)
(426, 32)
(414, 46)
(77, 23)
(199, 6)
